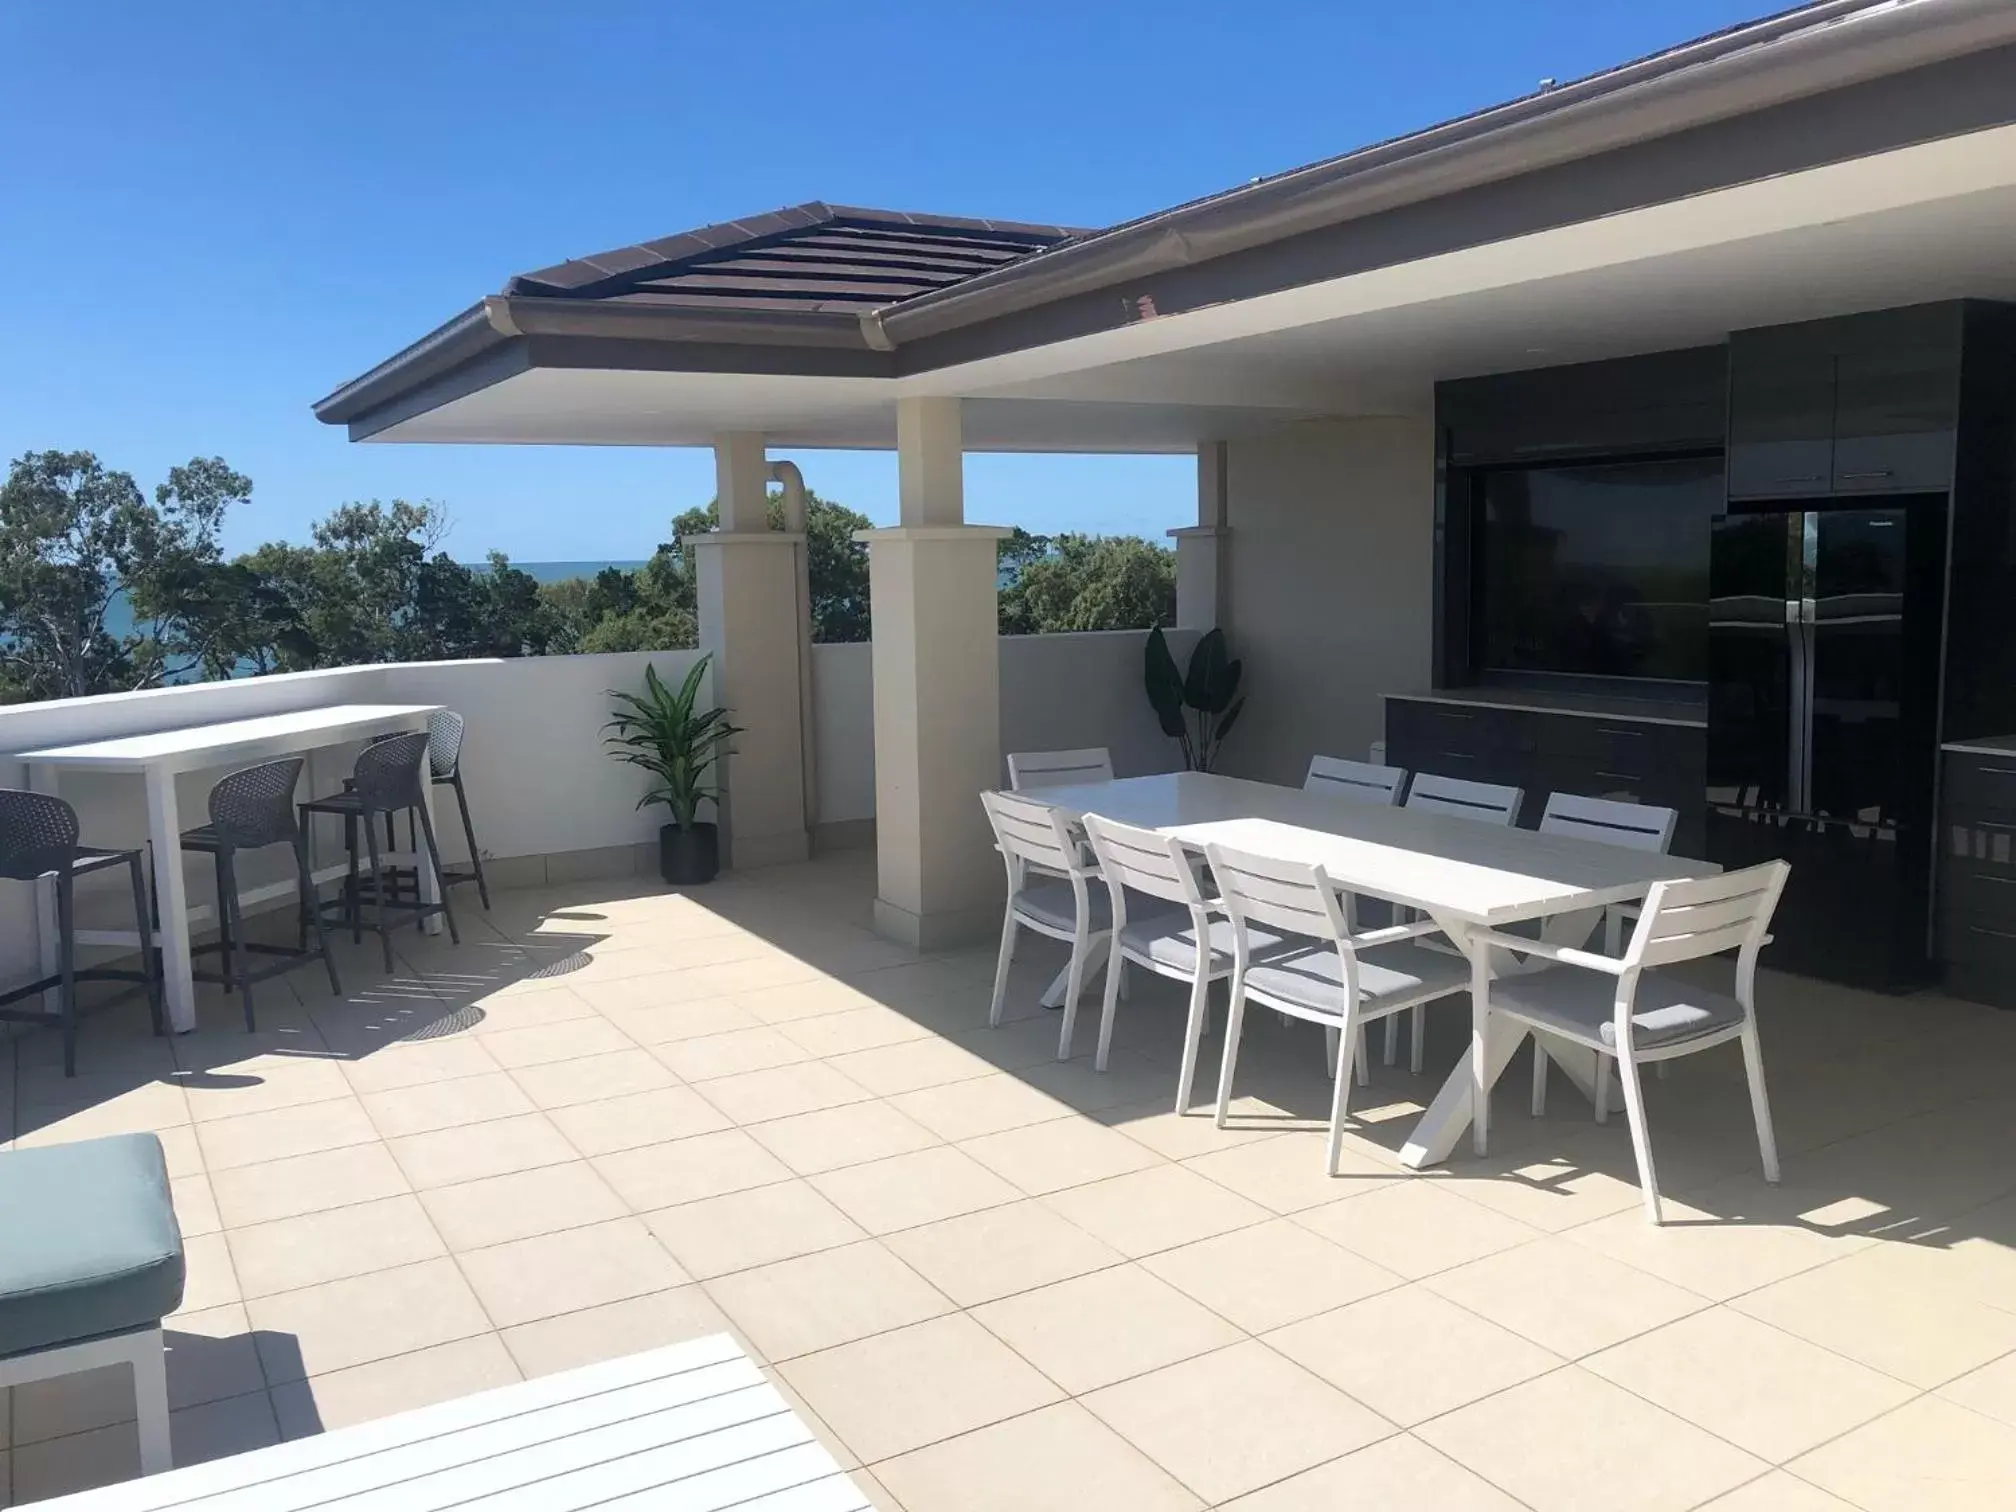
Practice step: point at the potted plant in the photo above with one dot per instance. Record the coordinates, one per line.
(1199, 706)
(661, 731)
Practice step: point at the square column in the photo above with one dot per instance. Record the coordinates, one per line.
(937, 662)
(1202, 575)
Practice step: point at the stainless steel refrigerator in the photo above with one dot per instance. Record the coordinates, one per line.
(1823, 710)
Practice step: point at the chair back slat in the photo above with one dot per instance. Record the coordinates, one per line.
(38, 834)
(1360, 781)
(1637, 826)
(254, 806)
(1286, 895)
(1486, 802)
(444, 743)
(1029, 769)
(1143, 860)
(1029, 831)
(1686, 920)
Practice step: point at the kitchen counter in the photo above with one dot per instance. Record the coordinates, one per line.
(1542, 701)
(1983, 745)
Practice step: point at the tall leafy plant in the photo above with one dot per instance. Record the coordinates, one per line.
(1197, 706)
(680, 745)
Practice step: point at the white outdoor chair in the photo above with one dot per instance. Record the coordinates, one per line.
(1636, 826)
(1360, 781)
(1060, 903)
(1629, 1012)
(1030, 769)
(1339, 980)
(1485, 802)
(1163, 939)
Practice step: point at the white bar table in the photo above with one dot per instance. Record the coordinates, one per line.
(160, 755)
(690, 1428)
(1464, 875)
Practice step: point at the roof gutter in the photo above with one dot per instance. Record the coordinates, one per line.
(1804, 52)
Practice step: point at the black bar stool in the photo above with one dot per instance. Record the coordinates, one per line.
(250, 810)
(444, 769)
(39, 839)
(385, 780)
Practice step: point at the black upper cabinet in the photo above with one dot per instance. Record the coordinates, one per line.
(1781, 424)
(1862, 404)
(1663, 402)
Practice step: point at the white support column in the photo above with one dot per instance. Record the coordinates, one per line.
(937, 664)
(746, 583)
(1201, 576)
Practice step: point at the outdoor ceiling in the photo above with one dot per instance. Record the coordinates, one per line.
(1927, 222)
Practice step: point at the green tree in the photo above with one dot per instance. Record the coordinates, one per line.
(77, 538)
(1084, 582)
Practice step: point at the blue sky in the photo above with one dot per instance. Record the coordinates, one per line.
(215, 212)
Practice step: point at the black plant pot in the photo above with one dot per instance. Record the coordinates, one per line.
(689, 856)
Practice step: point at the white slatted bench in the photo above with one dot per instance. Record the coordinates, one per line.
(690, 1428)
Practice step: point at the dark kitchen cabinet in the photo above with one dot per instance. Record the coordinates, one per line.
(1894, 416)
(1976, 893)
(1781, 424)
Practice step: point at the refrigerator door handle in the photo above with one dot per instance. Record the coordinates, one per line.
(1797, 763)
(1809, 638)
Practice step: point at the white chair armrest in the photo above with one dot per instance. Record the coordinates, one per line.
(1393, 933)
(1564, 954)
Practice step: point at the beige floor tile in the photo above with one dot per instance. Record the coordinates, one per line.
(1991, 1390)
(649, 992)
(1285, 1174)
(1235, 1420)
(643, 1118)
(290, 1253)
(195, 1204)
(707, 1057)
(448, 1105)
(570, 1039)
(1929, 1456)
(1892, 1308)
(905, 1191)
(1763, 1390)
(148, 1108)
(686, 1170)
(1777, 1492)
(1410, 1355)
(1172, 1135)
(1569, 1442)
(210, 1280)
(911, 1066)
(1269, 1275)
(419, 1064)
(553, 1004)
(343, 1323)
(210, 1357)
(562, 1084)
(809, 996)
(103, 1456)
(259, 1137)
(971, 1107)
(1551, 1192)
(1106, 1326)
(851, 1134)
(549, 1274)
(1156, 1209)
(1000, 1251)
(307, 1184)
(869, 1028)
(1711, 1256)
(1566, 1298)
(1050, 1157)
(1057, 1459)
(614, 1329)
(782, 1091)
(262, 1085)
(894, 1392)
(179, 1147)
(1396, 1474)
(499, 1209)
(821, 1300)
(470, 1152)
(363, 1392)
(663, 1023)
(1415, 1228)
(720, 1235)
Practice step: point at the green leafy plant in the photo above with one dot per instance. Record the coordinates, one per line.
(1199, 706)
(661, 731)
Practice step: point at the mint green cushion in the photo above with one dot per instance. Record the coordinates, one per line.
(88, 1242)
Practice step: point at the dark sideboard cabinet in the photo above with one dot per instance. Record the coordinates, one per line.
(1977, 877)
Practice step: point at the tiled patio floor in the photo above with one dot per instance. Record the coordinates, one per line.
(615, 1118)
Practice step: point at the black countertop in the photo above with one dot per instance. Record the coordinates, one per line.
(1546, 701)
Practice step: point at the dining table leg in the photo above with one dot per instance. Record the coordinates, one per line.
(1053, 995)
(171, 900)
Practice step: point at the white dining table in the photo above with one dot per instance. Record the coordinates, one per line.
(158, 757)
(1465, 875)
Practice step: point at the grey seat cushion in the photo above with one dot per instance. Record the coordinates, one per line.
(1314, 978)
(1169, 939)
(1054, 904)
(1583, 1004)
(88, 1242)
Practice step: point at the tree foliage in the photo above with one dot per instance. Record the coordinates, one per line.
(1051, 584)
